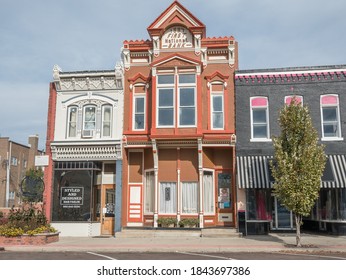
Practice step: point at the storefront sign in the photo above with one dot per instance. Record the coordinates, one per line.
(177, 37)
(71, 197)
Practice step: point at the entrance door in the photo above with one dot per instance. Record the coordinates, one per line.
(135, 210)
(107, 209)
(282, 218)
(224, 199)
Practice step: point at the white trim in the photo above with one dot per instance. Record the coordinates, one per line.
(135, 96)
(110, 120)
(290, 72)
(202, 206)
(213, 94)
(339, 136)
(175, 8)
(253, 139)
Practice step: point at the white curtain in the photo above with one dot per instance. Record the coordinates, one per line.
(208, 197)
(189, 197)
(149, 192)
(168, 197)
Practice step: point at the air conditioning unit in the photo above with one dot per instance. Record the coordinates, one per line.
(87, 133)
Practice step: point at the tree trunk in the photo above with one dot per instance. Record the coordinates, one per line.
(298, 224)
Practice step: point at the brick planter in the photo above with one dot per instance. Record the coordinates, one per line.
(37, 239)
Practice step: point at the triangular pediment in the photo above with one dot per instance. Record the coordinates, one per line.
(139, 78)
(176, 14)
(217, 76)
(176, 60)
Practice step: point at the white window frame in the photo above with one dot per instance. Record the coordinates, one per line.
(110, 120)
(138, 95)
(165, 86)
(212, 95)
(182, 86)
(84, 121)
(69, 120)
(337, 108)
(252, 108)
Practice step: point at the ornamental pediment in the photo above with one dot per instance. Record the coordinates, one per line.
(176, 60)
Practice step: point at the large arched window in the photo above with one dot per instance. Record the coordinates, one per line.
(259, 119)
(330, 117)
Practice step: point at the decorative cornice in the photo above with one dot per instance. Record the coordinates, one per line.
(291, 76)
(99, 152)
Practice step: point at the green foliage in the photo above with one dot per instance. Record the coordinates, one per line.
(189, 222)
(299, 160)
(167, 221)
(32, 186)
(1, 214)
(27, 220)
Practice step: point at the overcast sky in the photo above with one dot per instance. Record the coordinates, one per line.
(88, 34)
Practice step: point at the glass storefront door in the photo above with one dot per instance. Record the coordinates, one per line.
(282, 218)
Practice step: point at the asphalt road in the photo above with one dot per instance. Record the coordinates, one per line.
(287, 255)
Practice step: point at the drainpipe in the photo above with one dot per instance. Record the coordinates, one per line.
(8, 170)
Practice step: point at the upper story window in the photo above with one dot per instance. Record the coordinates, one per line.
(297, 98)
(217, 106)
(106, 120)
(330, 116)
(14, 161)
(72, 121)
(259, 119)
(89, 120)
(139, 107)
(176, 89)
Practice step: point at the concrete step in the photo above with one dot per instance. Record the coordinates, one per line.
(220, 232)
(177, 233)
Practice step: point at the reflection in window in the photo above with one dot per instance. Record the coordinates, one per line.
(217, 106)
(168, 197)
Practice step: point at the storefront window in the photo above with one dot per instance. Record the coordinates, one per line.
(332, 204)
(72, 195)
(258, 204)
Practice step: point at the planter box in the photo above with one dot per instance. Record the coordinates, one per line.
(37, 239)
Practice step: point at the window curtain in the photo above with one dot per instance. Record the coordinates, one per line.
(208, 198)
(149, 192)
(189, 197)
(168, 197)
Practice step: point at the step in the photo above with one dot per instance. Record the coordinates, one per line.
(158, 233)
(220, 232)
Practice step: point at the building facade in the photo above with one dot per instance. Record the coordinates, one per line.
(15, 160)
(260, 94)
(179, 124)
(84, 134)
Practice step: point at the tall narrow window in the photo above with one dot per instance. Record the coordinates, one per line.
(217, 106)
(138, 118)
(259, 118)
(72, 121)
(168, 198)
(208, 193)
(187, 100)
(89, 121)
(189, 197)
(106, 121)
(330, 117)
(149, 198)
(165, 116)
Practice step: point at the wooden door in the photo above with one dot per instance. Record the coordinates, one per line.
(107, 209)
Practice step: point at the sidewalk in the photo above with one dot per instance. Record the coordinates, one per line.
(253, 243)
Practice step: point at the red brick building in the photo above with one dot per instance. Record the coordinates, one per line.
(179, 124)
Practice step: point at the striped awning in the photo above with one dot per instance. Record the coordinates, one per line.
(254, 172)
(335, 172)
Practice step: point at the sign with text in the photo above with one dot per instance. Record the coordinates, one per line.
(177, 37)
(71, 197)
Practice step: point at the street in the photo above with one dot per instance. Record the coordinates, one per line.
(284, 255)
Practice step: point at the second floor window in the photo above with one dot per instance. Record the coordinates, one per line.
(72, 121)
(171, 92)
(217, 107)
(259, 118)
(138, 120)
(330, 117)
(89, 122)
(106, 121)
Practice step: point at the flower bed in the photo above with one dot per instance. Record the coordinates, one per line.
(26, 239)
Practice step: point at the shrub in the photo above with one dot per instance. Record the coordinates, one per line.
(189, 222)
(167, 221)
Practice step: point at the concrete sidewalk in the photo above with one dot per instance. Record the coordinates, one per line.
(259, 243)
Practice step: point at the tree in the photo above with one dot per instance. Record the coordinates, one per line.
(32, 185)
(298, 163)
